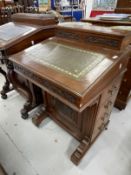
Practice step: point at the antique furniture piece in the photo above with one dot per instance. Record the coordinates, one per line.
(123, 6)
(36, 19)
(125, 89)
(97, 21)
(24, 31)
(80, 72)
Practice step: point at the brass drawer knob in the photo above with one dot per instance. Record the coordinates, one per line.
(110, 92)
(109, 103)
(105, 116)
(101, 127)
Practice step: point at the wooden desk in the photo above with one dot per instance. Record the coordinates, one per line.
(123, 6)
(37, 19)
(16, 36)
(125, 89)
(97, 21)
(79, 79)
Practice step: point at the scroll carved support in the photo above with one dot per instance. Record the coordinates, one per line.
(20, 88)
(80, 151)
(6, 87)
(37, 120)
(42, 114)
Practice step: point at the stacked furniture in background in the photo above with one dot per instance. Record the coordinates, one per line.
(24, 31)
(79, 71)
(123, 6)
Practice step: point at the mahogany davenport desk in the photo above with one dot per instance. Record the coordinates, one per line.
(24, 31)
(125, 89)
(97, 21)
(79, 80)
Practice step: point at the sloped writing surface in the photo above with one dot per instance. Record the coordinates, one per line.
(10, 31)
(69, 60)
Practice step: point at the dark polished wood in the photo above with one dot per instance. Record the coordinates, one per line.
(79, 78)
(24, 33)
(5, 88)
(37, 19)
(123, 6)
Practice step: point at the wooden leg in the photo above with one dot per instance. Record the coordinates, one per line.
(125, 89)
(1, 60)
(6, 87)
(25, 110)
(22, 89)
(40, 116)
(84, 146)
(121, 103)
(80, 151)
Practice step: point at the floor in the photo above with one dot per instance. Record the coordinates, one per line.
(28, 150)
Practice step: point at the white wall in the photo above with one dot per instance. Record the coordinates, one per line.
(89, 4)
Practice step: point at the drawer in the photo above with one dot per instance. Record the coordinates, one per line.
(97, 130)
(110, 92)
(105, 107)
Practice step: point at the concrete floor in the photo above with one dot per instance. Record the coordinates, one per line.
(28, 150)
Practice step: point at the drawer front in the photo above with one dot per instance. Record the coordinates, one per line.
(105, 107)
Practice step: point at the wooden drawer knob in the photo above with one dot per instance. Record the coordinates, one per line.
(109, 103)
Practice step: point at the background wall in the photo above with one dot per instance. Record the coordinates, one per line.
(89, 5)
(100, 7)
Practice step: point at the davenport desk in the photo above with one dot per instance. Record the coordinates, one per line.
(125, 89)
(98, 21)
(79, 79)
(24, 31)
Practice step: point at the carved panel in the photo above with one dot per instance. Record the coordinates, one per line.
(68, 35)
(104, 41)
(109, 42)
(46, 83)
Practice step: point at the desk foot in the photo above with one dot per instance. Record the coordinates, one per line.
(25, 110)
(120, 104)
(80, 151)
(40, 116)
(6, 88)
(3, 96)
(2, 61)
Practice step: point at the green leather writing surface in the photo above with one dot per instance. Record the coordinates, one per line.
(10, 31)
(122, 27)
(69, 60)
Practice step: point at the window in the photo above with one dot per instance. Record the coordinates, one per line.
(104, 4)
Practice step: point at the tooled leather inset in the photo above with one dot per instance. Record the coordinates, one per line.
(66, 59)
